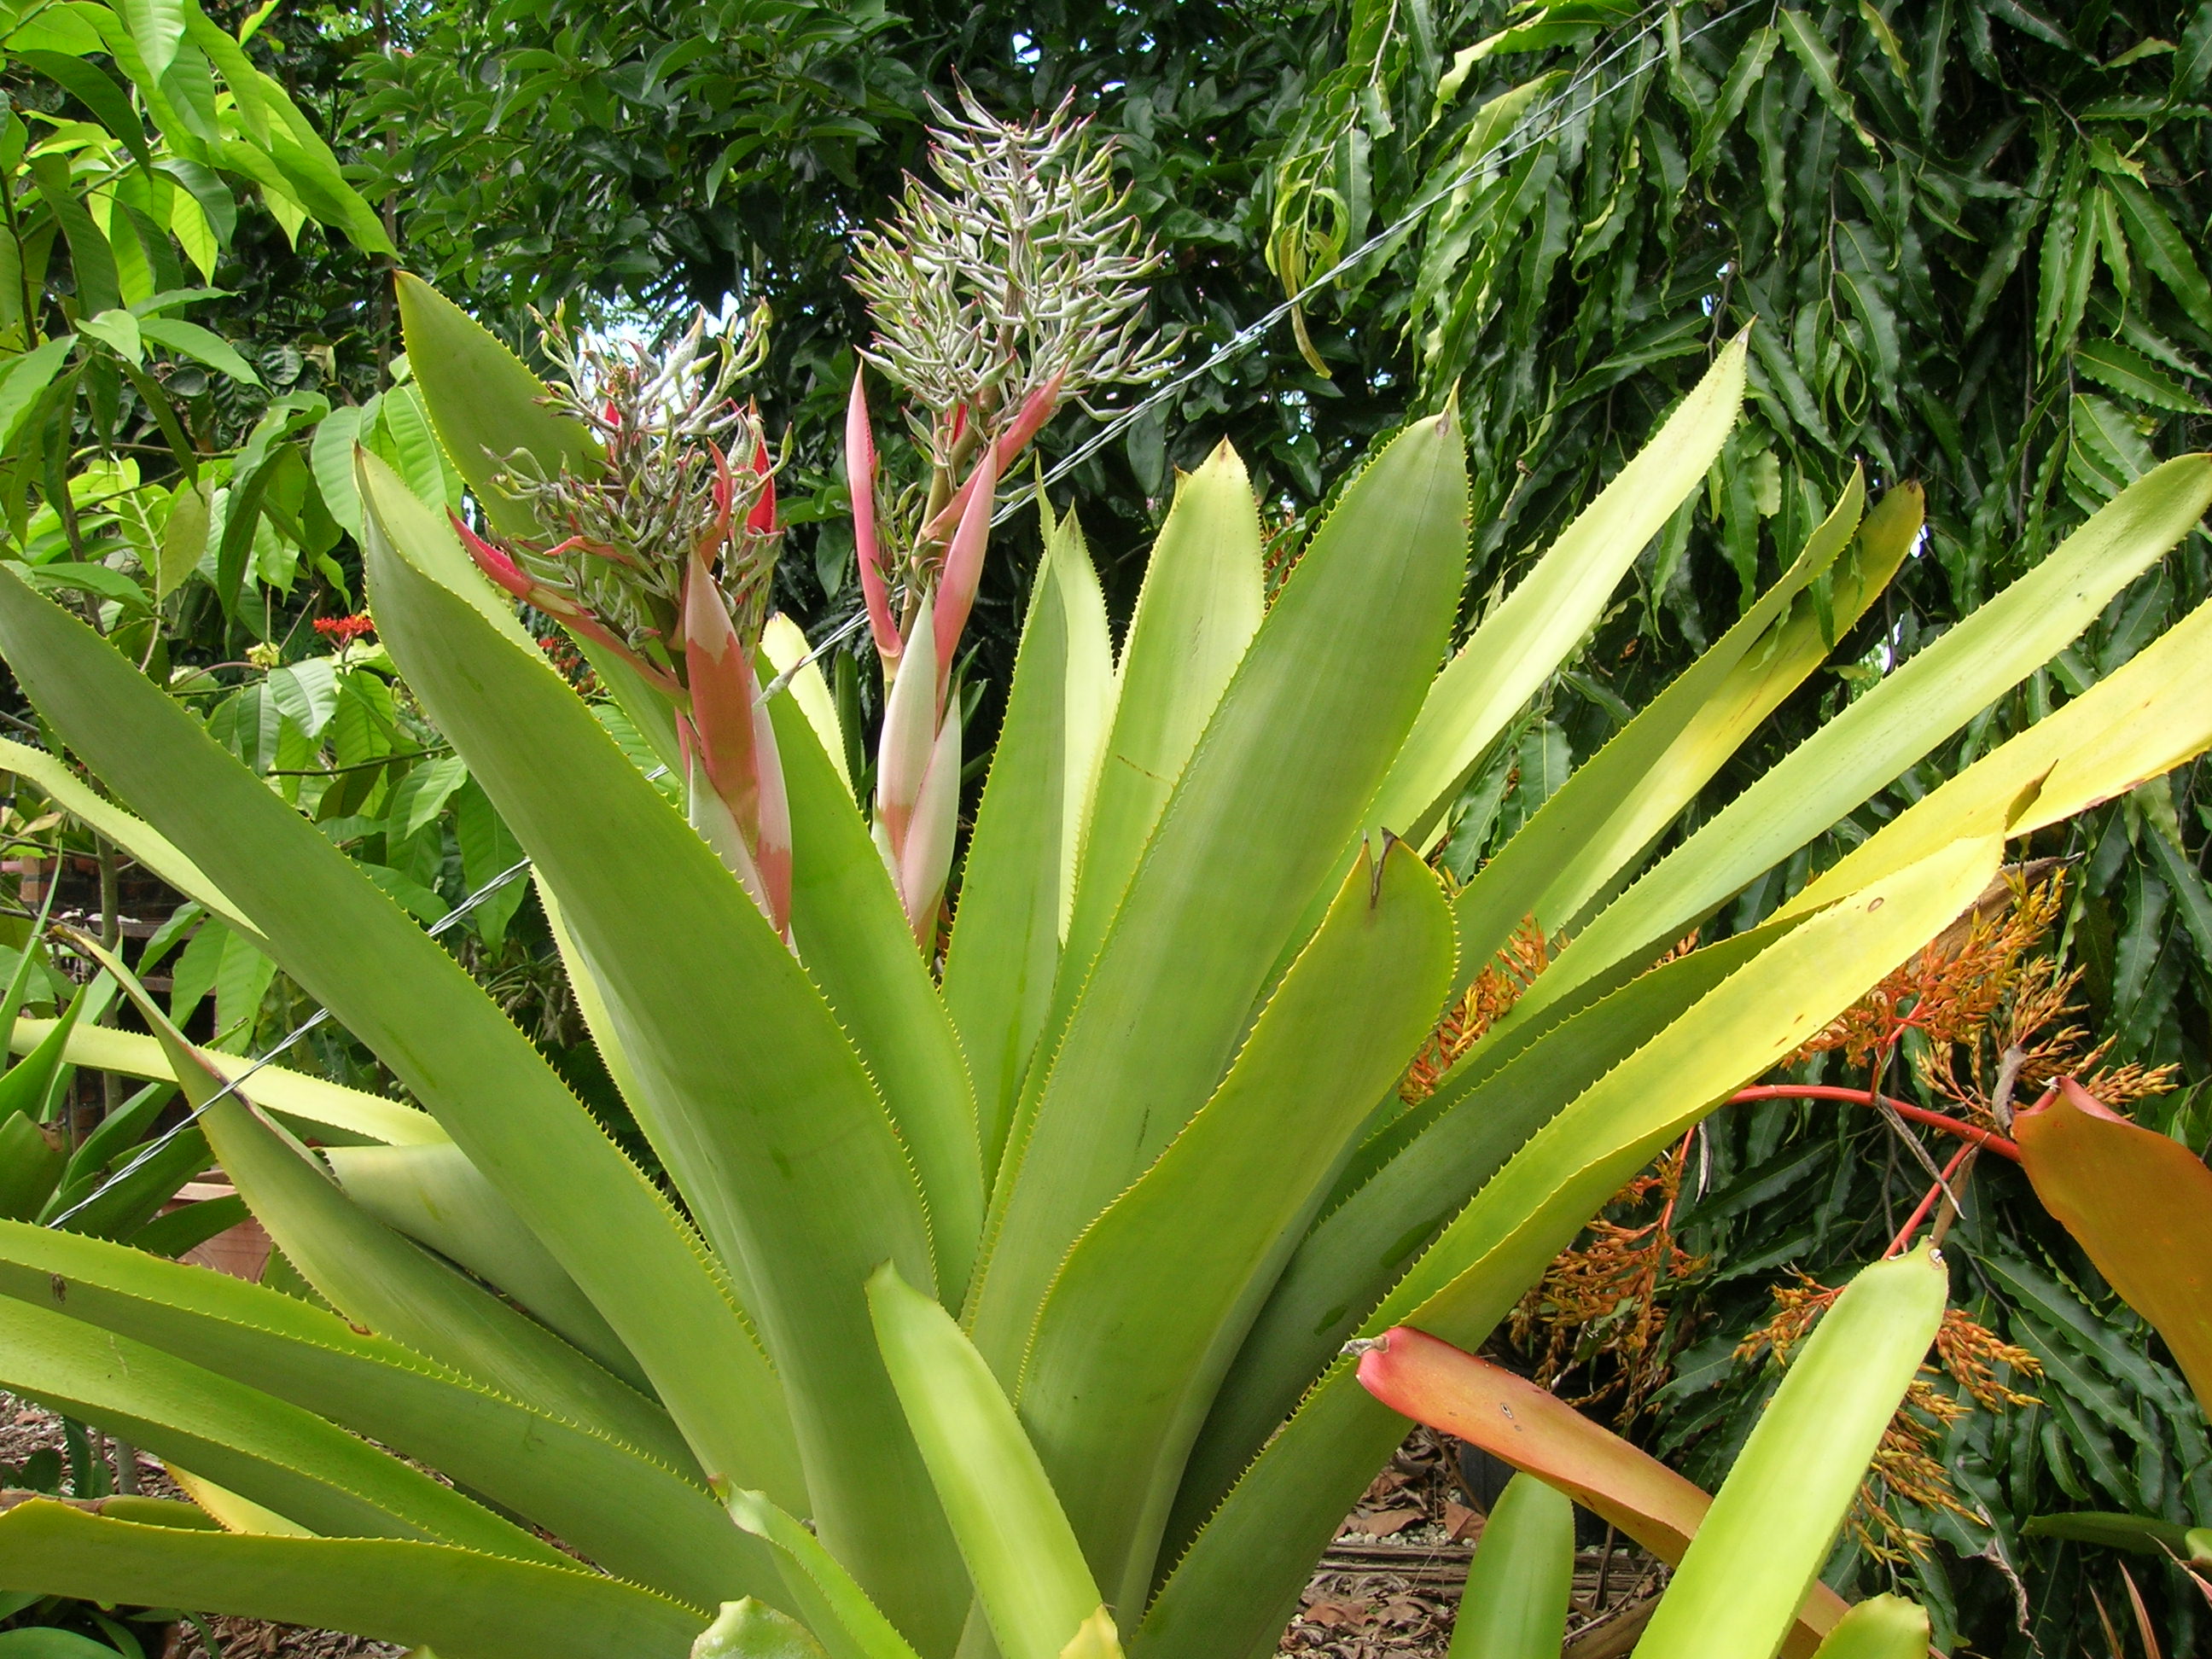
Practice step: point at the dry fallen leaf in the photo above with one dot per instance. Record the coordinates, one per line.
(1334, 1613)
(1382, 1524)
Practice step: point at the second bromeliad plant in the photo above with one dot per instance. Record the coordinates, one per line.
(1007, 1301)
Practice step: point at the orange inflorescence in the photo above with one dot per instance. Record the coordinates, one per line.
(1607, 1297)
(1495, 990)
(1905, 1465)
(1951, 989)
(1982, 988)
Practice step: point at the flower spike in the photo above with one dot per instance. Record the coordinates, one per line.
(860, 476)
(1028, 420)
(494, 563)
(761, 522)
(964, 565)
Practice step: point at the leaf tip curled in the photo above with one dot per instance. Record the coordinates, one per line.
(1094, 1639)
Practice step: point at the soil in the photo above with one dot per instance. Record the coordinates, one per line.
(1389, 1583)
(1385, 1590)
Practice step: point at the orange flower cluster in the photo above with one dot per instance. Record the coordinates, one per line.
(345, 629)
(1495, 990)
(1608, 1298)
(1981, 988)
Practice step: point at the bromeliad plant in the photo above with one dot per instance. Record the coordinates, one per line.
(1006, 1292)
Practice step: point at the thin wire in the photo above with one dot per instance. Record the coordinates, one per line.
(1251, 333)
(152, 1148)
(837, 636)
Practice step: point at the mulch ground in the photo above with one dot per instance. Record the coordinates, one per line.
(1385, 1590)
(1388, 1584)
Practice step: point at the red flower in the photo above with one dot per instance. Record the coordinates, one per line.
(345, 629)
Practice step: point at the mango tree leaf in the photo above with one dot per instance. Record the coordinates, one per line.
(200, 344)
(117, 329)
(306, 693)
(2146, 1534)
(24, 381)
(158, 26)
(2128, 372)
(422, 794)
(183, 538)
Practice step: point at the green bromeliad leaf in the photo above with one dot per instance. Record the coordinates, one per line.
(633, 1515)
(1589, 833)
(754, 1097)
(485, 402)
(1762, 1545)
(1153, 1299)
(374, 1275)
(1196, 614)
(470, 1606)
(1401, 1187)
(437, 1197)
(1017, 889)
(1028, 1569)
(355, 952)
(854, 939)
(1523, 640)
(1885, 731)
(296, 1094)
(1258, 821)
(1239, 1581)
(1513, 1605)
(277, 1454)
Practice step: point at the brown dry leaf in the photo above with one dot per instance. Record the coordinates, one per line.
(1384, 1522)
(1334, 1613)
(1462, 1521)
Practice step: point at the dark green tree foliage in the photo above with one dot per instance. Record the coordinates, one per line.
(645, 157)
